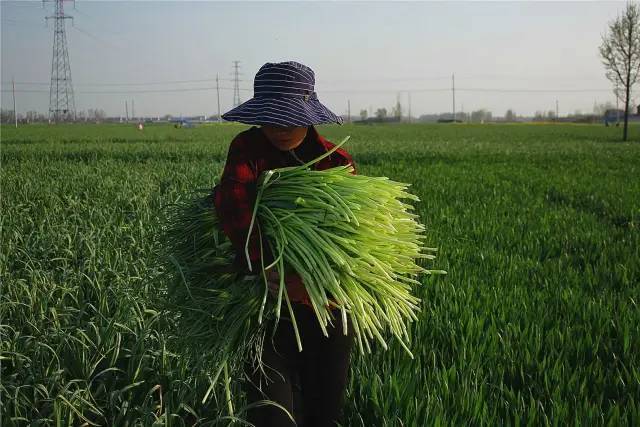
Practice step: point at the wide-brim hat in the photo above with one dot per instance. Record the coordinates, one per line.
(283, 95)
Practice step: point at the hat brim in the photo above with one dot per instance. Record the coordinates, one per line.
(283, 111)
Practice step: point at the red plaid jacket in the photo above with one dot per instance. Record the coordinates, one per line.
(251, 153)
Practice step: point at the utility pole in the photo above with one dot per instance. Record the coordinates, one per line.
(133, 111)
(453, 92)
(15, 112)
(126, 110)
(218, 92)
(617, 107)
(61, 99)
(557, 111)
(409, 102)
(348, 111)
(236, 83)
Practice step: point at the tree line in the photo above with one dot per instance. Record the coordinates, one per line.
(92, 115)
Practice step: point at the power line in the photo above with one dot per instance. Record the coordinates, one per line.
(23, 4)
(151, 83)
(124, 92)
(392, 79)
(457, 89)
(95, 22)
(11, 21)
(123, 84)
(154, 83)
(96, 38)
(28, 83)
(346, 91)
(381, 90)
(531, 90)
(469, 76)
(239, 80)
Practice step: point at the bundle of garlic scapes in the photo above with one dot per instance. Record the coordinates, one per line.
(353, 239)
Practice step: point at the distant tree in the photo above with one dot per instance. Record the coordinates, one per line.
(363, 114)
(31, 116)
(620, 52)
(428, 118)
(481, 115)
(381, 113)
(600, 109)
(6, 115)
(510, 115)
(551, 115)
(538, 116)
(397, 110)
(96, 114)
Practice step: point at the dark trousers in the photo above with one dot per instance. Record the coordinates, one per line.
(309, 384)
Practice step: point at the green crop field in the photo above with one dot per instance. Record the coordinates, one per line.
(536, 323)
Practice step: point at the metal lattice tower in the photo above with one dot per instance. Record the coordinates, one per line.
(61, 103)
(236, 83)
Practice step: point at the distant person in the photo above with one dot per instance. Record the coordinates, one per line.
(284, 110)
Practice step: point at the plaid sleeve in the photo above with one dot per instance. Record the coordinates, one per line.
(234, 198)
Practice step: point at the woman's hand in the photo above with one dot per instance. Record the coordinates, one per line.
(293, 285)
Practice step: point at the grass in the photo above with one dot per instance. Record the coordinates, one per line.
(535, 324)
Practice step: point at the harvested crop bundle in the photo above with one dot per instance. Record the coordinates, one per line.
(353, 239)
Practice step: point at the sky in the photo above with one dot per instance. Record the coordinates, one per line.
(165, 55)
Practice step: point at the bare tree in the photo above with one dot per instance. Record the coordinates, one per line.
(481, 116)
(620, 51)
(601, 109)
(381, 113)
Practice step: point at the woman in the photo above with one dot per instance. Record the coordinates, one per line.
(284, 110)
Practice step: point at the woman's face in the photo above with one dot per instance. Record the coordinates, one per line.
(285, 138)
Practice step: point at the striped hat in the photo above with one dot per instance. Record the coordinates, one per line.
(283, 95)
